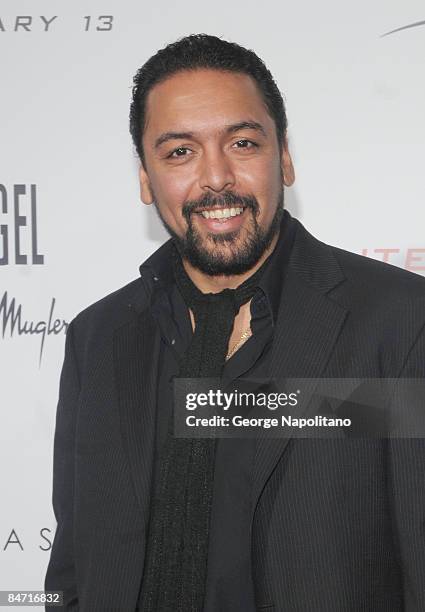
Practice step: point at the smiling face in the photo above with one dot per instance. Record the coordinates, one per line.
(214, 169)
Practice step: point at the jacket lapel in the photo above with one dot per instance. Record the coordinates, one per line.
(307, 328)
(136, 354)
(136, 351)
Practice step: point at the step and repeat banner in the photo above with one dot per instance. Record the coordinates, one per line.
(73, 228)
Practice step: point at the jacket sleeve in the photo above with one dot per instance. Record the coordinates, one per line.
(406, 480)
(61, 575)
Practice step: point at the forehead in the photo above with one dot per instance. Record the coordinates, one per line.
(202, 100)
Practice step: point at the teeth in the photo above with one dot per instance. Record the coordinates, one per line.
(222, 213)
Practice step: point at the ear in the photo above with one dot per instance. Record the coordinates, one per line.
(288, 171)
(146, 194)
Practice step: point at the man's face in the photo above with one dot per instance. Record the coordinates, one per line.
(214, 169)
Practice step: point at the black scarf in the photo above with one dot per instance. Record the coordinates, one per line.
(177, 548)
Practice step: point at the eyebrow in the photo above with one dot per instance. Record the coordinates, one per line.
(229, 129)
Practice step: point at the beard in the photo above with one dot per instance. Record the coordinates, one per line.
(229, 253)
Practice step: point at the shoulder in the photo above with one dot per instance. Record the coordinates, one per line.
(385, 291)
(111, 309)
(382, 301)
(371, 274)
(328, 266)
(117, 307)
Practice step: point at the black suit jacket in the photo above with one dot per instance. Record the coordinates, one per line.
(337, 525)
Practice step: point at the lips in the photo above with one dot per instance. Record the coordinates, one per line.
(224, 224)
(199, 210)
(218, 208)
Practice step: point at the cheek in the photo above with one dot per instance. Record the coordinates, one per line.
(262, 175)
(170, 193)
(265, 183)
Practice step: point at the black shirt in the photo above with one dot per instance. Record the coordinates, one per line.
(229, 584)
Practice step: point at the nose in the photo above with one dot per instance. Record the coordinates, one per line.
(216, 173)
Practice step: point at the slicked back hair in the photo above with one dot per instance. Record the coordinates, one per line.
(199, 51)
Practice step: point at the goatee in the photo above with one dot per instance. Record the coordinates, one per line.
(239, 255)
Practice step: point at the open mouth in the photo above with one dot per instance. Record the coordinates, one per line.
(222, 219)
(221, 213)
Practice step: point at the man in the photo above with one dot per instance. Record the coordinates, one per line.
(150, 521)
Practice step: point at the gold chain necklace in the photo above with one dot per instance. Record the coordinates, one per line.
(246, 334)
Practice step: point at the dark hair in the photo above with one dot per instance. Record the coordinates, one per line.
(202, 51)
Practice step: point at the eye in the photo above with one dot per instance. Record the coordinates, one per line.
(245, 144)
(179, 152)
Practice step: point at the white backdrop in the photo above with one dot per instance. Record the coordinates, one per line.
(355, 103)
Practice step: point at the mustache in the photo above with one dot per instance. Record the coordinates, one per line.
(228, 199)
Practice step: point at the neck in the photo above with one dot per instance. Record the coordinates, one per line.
(215, 284)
